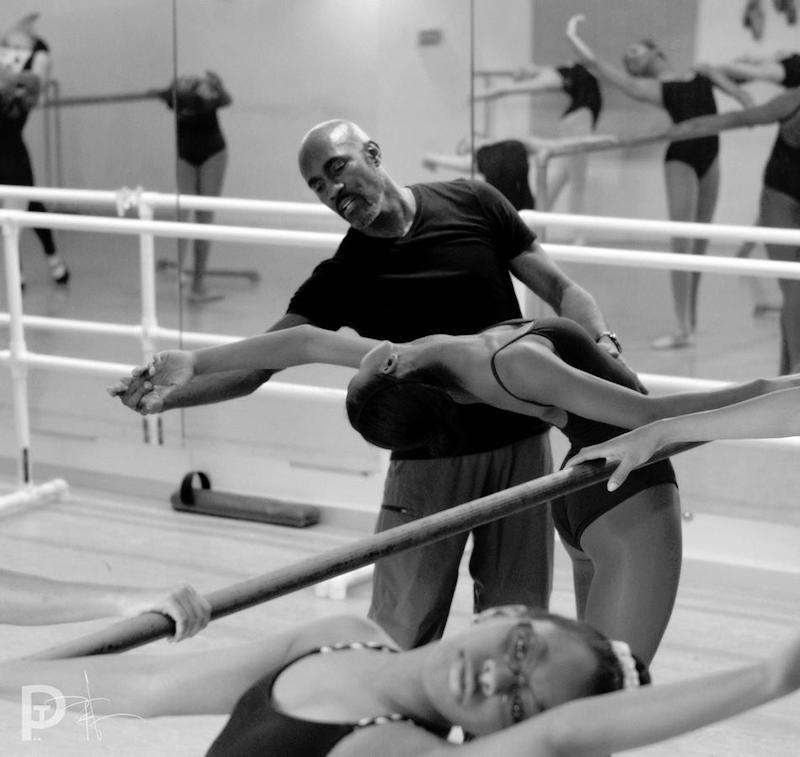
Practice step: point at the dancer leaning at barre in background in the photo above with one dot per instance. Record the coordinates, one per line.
(780, 196)
(519, 682)
(625, 548)
(691, 168)
(30, 600)
(579, 119)
(773, 415)
(505, 165)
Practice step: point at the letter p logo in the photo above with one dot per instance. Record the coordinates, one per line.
(43, 711)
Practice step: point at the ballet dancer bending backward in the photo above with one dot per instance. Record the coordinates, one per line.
(691, 168)
(428, 258)
(625, 547)
(520, 682)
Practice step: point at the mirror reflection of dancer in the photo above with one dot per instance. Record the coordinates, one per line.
(626, 549)
(691, 168)
(579, 119)
(202, 159)
(781, 68)
(24, 70)
(522, 683)
(780, 196)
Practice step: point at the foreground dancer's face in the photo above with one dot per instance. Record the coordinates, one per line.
(504, 670)
(343, 171)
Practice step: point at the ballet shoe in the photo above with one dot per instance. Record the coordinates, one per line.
(675, 341)
(58, 270)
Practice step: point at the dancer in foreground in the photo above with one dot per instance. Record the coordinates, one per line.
(520, 682)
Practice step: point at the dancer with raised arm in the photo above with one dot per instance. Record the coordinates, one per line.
(691, 168)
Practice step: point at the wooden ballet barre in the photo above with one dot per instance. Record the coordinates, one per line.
(508, 72)
(99, 99)
(134, 632)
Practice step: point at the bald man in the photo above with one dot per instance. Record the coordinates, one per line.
(417, 260)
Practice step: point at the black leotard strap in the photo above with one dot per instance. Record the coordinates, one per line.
(493, 366)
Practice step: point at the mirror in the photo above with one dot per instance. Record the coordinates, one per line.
(400, 70)
(95, 127)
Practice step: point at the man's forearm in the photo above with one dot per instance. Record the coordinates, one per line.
(578, 305)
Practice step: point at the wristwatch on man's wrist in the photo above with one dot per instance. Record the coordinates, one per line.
(612, 337)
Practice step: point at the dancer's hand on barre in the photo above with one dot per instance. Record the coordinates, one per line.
(628, 451)
(189, 610)
(585, 52)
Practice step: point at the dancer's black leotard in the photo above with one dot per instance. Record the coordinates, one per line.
(583, 90)
(782, 172)
(573, 513)
(505, 166)
(199, 134)
(684, 100)
(791, 71)
(256, 728)
(15, 162)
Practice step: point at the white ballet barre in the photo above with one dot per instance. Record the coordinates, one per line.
(674, 261)
(127, 198)
(712, 231)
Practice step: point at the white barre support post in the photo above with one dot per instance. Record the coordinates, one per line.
(17, 352)
(55, 490)
(27, 492)
(147, 266)
(336, 587)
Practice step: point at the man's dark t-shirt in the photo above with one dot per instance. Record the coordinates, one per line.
(447, 275)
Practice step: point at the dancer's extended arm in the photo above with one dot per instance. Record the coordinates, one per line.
(27, 599)
(776, 414)
(638, 89)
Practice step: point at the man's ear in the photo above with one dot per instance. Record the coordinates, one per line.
(374, 152)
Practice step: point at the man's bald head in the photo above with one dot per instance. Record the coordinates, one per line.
(328, 135)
